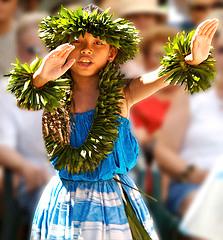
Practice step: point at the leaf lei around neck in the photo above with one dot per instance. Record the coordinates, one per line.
(102, 135)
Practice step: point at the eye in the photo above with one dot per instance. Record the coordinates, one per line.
(76, 41)
(98, 42)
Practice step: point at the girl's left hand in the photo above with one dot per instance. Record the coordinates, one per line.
(201, 41)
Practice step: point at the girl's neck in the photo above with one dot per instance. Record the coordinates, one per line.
(85, 84)
(85, 93)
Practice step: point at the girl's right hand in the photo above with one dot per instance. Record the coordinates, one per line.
(53, 65)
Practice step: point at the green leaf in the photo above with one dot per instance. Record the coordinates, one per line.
(137, 229)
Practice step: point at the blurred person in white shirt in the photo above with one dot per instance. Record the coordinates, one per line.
(21, 145)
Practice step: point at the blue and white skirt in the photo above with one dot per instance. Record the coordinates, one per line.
(80, 210)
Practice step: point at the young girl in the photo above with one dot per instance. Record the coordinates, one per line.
(86, 126)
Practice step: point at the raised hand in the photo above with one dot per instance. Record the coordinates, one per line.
(53, 65)
(201, 41)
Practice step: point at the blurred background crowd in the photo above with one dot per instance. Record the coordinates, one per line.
(180, 135)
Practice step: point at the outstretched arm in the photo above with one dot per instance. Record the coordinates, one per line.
(149, 83)
(170, 141)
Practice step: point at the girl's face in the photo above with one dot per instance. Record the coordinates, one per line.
(91, 55)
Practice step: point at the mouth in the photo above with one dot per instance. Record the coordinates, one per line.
(84, 62)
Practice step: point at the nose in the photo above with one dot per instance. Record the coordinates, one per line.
(86, 51)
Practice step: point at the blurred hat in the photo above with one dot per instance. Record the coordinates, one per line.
(114, 6)
(123, 8)
(129, 7)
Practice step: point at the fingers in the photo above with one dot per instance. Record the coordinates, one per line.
(66, 52)
(204, 26)
(209, 25)
(209, 28)
(61, 49)
(205, 29)
(69, 63)
(212, 32)
(62, 46)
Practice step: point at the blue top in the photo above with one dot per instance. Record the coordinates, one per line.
(119, 161)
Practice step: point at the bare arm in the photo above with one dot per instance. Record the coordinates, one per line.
(171, 136)
(149, 83)
(170, 140)
(34, 175)
(144, 86)
(9, 158)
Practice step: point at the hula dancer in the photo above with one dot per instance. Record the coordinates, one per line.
(86, 129)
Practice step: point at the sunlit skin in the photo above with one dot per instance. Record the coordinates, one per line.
(85, 57)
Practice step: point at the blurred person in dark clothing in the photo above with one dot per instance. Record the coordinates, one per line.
(7, 34)
(21, 144)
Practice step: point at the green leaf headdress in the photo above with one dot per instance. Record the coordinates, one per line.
(69, 25)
